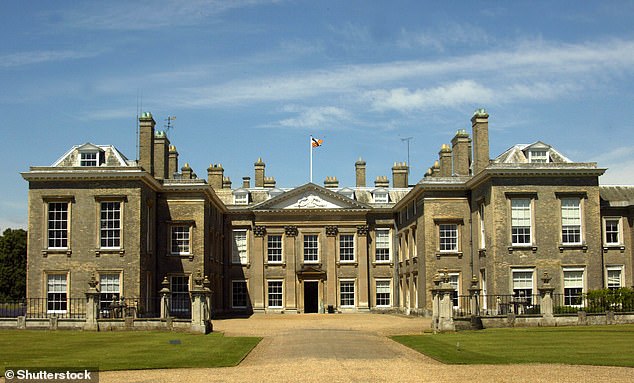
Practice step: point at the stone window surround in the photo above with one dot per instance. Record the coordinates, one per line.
(122, 199)
(45, 201)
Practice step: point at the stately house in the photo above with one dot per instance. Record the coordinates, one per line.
(498, 225)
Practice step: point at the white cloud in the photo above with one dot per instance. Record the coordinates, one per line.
(317, 117)
(37, 57)
(152, 15)
(450, 34)
(454, 94)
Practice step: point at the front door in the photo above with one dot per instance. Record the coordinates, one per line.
(311, 297)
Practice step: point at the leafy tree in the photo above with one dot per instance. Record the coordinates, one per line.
(13, 264)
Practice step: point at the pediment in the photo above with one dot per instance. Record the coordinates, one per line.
(310, 197)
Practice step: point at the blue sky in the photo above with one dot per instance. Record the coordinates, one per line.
(254, 78)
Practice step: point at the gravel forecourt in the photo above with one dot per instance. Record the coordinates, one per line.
(353, 348)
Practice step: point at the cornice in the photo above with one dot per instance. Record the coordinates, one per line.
(74, 174)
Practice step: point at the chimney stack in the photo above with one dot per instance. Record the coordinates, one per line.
(259, 173)
(226, 183)
(381, 182)
(146, 142)
(445, 161)
(269, 182)
(215, 175)
(399, 175)
(187, 172)
(480, 126)
(246, 182)
(461, 145)
(161, 154)
(359, 167)
(331, 182)
(435, 169)
(172, 162)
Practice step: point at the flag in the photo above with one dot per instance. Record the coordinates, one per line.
(316, 142)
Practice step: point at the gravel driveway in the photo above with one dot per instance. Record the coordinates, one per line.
(353, 348)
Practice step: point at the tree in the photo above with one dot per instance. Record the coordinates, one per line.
(13, 264)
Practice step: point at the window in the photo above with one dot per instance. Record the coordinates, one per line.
(239, 294)
(89, 159)
(612, 231)
(382, 245)
(380, 196)
(448, 236)
(571, 220)
(383, 298)
(109, 288)
(614, 277)
(311, 248)
(274, 248)
(346, 247)
(180, 239)
(181, 304)
(110, 219)
(58, 225)
(275, 293)
(537, 156)
(56, 293)
(523, 285)
(346, 293)
(521, 221)
(573, 287)
(482, 232)
(239, 254)
(454, 281)
(241, 199)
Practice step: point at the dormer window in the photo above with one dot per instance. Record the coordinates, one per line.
(90, 155)
(347, 192)
(241, 197)
(380, 196)
(89, 159)
(537, 156)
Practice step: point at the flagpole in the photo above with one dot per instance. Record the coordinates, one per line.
(310, 142)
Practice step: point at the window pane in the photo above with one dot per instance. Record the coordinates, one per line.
(110, 224)
(382, 245)
(109, 291)
(239, 254)
(520, 221)
(180, 240)
(239, 294)
(274, 248)
(311, 248)
(383, 293)
(346, 247)
(614, 278)
(58, 225)
(56, 293)
(573, 288)
(346, 293)
(448, 237)
(612, 231)
(275, 293)
(181, 302)
(571, 220)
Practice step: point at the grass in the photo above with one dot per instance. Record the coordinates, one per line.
(121, 350)
(592, 345)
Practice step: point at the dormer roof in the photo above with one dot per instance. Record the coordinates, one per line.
(520, 154)
(112, 156)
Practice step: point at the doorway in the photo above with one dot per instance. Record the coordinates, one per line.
(311, 297)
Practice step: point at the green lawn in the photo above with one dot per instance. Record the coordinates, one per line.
(121, 350)
(594, 345)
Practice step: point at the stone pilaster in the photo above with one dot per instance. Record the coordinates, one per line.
(363, 270)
